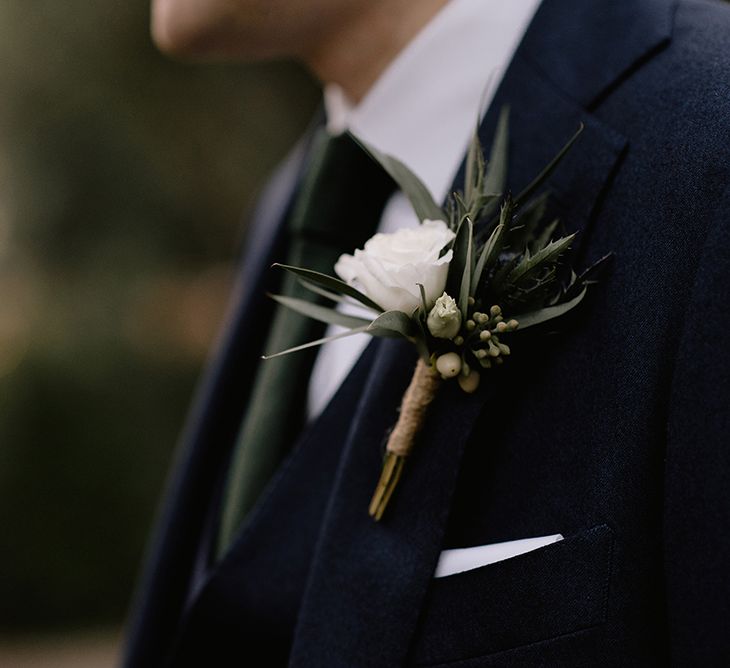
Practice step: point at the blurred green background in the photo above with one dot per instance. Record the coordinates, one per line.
(123, 180)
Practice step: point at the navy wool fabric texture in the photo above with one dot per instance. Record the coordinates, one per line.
(610, 428)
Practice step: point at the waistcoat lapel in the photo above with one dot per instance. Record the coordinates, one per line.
(251, 596)
(368, 580)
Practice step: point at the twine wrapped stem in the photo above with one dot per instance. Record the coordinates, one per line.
(416, 400)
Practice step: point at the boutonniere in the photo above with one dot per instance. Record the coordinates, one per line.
(461, 287)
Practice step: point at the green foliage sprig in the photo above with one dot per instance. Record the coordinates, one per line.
(507, 272)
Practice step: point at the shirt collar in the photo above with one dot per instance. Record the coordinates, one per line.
(425, 106)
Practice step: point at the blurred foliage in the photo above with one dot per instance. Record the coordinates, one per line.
(123, 177)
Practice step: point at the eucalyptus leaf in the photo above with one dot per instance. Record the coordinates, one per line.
(313, 287)
(549, 313)
(462, 209)
(460, 259)
(474, 177)
(493, 246)
(331, 283)
(318, 342)
(488, 255)
(452, 214)
(392, 323)
(421, 336)
(465, 287)
(486, 205)
(320, 313)
(495, 179)
(545, 173)
(424, 304)
(413, 188)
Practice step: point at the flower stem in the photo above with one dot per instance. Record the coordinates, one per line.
(414, 406)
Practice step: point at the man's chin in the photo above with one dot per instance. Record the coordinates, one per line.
(202, 31)
(215, 30)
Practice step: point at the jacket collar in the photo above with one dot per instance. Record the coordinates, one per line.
(587, 48)
(368, 580)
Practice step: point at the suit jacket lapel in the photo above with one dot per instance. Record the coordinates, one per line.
(368, 579)
(541, 121)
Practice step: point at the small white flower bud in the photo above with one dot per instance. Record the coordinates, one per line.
(495, 310)
(459, 340)
(469, 383)
(513, 324)
(448, 365)
(502, 327)
(444, 320)
(470, 325)
(485, 335)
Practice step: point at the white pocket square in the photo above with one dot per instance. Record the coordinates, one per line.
(465, 558)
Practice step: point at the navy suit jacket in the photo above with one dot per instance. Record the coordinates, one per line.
(614, 432)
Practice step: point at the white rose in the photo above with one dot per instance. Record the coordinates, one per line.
(390, 267)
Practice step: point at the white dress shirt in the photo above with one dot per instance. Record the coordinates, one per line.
(423, 109)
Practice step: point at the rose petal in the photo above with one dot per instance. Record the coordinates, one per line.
(390, 266)
(347, 268)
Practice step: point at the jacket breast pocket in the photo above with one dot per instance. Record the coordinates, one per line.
(548, 592)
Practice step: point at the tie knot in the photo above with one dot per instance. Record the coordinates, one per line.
(342, 194)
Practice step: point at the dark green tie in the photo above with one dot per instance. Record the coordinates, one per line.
(337, 210)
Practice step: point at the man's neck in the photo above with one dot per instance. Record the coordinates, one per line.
(364, 43)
